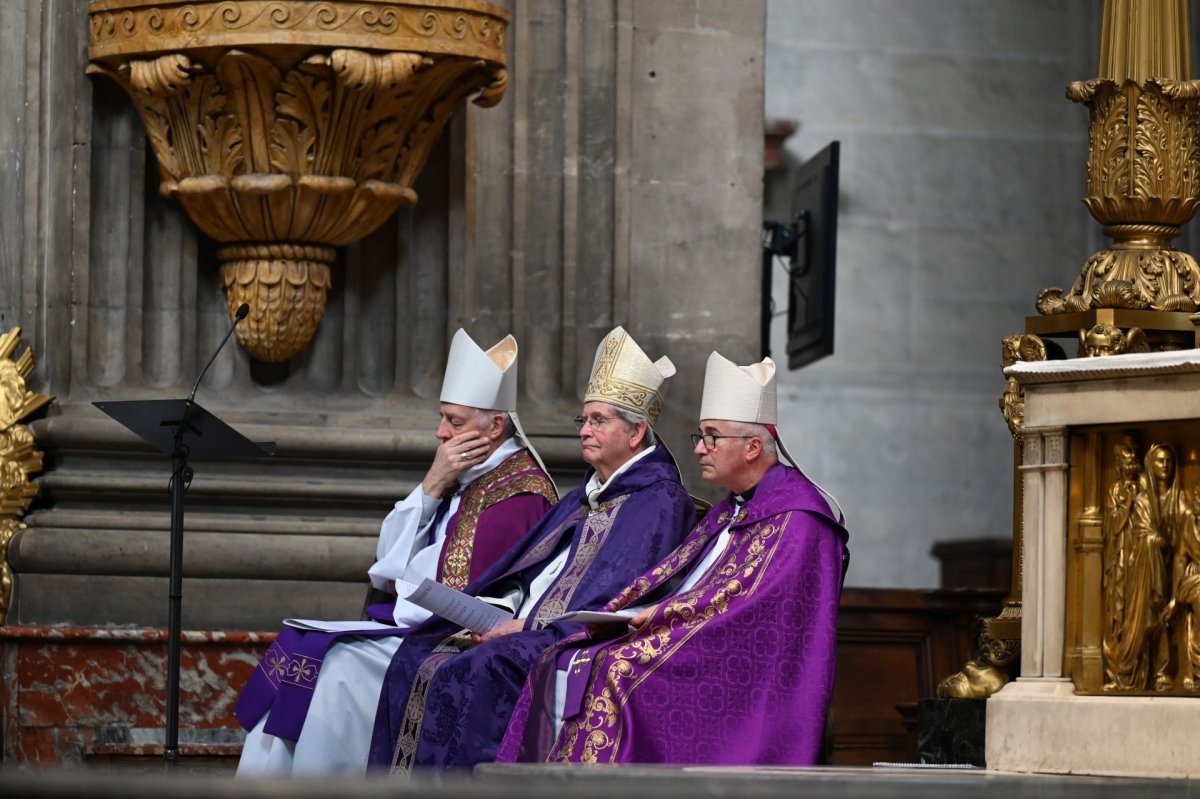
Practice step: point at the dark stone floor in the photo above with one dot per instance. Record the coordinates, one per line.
(556, 782)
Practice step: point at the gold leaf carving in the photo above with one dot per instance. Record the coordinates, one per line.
(1103, 340)
(1151, 559)
(1150, 141)
(1013, 349)
(1143, 183)
(283, 124)
(251, 82)
(19, 457)
(477, 28)
(286, 288)
(1108, 167)
(301, 103)
(1116, 294)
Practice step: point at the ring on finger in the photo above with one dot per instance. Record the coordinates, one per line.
(463, 456)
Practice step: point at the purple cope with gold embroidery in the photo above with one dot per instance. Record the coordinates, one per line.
(737, 670)
(444, 705)
(494, 512)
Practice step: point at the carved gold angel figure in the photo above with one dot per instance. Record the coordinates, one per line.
(12, 391)
(1118, 537)
(1143, 644)
(976, 681)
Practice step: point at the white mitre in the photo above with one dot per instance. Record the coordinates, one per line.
(478, 378)
(625, 377)
(739, 393)
(747, 394)
(486, 379)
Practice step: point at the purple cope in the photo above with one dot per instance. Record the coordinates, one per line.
(446, 704)
(737, 670)
(495, 511)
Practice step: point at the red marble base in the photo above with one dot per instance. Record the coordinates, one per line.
(75, 694)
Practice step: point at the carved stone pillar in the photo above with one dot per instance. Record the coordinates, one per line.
(1043, 473)
(287, 129)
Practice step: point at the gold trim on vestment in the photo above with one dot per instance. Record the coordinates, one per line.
(547, 544)
(603, 709)
(596, 529)
(480, 495)
(405, 753)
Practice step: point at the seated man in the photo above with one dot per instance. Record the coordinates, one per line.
(731, 655)
(447, 696)
(482, 493)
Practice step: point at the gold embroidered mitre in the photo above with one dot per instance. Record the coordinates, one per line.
(624, 376)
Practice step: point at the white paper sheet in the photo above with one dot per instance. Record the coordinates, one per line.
(322, 626)
(594, 617)
(466, 611)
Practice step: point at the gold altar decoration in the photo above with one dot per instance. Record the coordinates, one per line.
(287, 128)
(1020, 347)
(1104, 339)
(1134, 566)
(1143, 169)
(19, 458)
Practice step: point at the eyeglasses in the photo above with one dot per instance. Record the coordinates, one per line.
(710, 440)
(597, 422)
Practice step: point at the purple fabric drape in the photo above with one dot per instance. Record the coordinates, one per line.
(446, 706)
(737, 670)
(506, 503)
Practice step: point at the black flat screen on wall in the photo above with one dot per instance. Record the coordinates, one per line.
(811, 280)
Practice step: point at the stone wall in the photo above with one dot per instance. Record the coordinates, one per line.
(962, 173)
(618, 182)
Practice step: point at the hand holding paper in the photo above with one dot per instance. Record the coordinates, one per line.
(466, 611)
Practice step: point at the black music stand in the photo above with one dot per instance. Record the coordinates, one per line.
(181, 429)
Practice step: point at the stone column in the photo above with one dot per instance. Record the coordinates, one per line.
(1043, 476)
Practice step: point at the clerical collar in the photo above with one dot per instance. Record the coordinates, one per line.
(595, 488)
(744, 497)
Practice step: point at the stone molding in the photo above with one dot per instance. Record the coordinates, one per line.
(473, 29)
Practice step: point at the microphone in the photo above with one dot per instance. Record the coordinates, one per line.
(241, 313)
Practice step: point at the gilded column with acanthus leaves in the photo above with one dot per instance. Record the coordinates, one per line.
(1143, 182)
(1139, 294)
(289, 128)
(19, 458)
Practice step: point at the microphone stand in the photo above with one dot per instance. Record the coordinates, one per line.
(181, 478)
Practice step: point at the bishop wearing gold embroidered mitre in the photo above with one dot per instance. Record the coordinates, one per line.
(448, 693)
